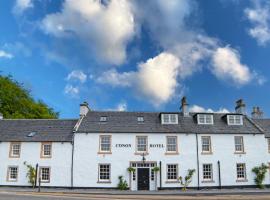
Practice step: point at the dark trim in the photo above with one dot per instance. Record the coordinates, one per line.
(160, 175)
(219, 175)
(198, 163)
(72, 160)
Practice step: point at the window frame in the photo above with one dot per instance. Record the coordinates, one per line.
(146, 144)
(104, 180)
(167, 172)
(9, 173)
(40, 174)
(42, 155)
(103, 119)
(169, 118)
(204, 117)
(211, 173)
(176, 145)
(210, 145)
(234, 120)
(140, 119)
(242, 145)
(100, 144)
(11, 155)
(244, 172)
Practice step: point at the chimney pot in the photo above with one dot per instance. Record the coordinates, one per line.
(240, 107)
(184, 107)
(257, 113)
(84, 109)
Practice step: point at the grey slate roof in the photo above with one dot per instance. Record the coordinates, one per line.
(265, 125)
(52, 130)
(126, 122)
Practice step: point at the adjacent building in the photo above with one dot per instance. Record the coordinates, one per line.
(94, 150)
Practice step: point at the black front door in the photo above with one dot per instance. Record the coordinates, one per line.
(143, 178)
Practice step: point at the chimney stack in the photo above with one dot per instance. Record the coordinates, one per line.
(1, 116)
(257, 113)
(240, 107)
(184, 107)
(84, 109)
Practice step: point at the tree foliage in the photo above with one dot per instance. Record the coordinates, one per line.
(16, 102)
(31, 174)
(260, 172)
(187, 179)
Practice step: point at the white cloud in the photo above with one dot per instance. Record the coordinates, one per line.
(71, 90)
(104, 29)
(4, 54)
(226, 65)
(120, 107)
(22, 5)
(155, 80)
(196, 108)
(77, 75)
(259, 17)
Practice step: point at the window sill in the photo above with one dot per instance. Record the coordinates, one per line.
(12, 181)
(45, 181)
(172, 181)
(100, 152)
(239, 152)
(108, 182)
(207, 153)
(14, 156)
(208, 181)
(172, 153)
(141, 153)
(241, 180)
(46, 157)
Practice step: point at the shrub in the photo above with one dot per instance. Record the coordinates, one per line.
(31, 174)
(187, 180)
(122, 185)
(260, 172)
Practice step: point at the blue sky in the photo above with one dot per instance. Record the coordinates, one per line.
(139, 55)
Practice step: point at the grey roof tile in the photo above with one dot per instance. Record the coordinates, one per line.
(265, 125)
(53, 130)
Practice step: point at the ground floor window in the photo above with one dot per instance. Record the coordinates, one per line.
(12, 173)
(104, 172)
(45, 173)
(172, 172)
(241, 171)
(207, 172)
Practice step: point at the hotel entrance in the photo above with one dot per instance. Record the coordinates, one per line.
(143, 178)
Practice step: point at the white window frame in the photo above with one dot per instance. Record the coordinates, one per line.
(102, 143)
(240, 144)
(41, 168)
(169, 172)
(209, 145)
(205, 119)
(43, 155)
(137, 144)
(109, 173)
(167, 144)
(11, 151)
(140, 119)
(234, 119)
(243, 172)
(167, 118)
(103, 119)
(9, 170)
(210, 166)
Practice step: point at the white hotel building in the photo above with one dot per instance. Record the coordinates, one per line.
(93, 151)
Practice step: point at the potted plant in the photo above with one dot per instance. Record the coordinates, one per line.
(156, 170)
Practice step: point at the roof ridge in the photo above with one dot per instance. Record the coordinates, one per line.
(38, 119)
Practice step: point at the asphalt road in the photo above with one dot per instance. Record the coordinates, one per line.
(59, 196)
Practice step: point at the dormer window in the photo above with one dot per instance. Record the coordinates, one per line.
(140, 119)
(169, 119)
(103, 119)
(205, 119)
(235, 119)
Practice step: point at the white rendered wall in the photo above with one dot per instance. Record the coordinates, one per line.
(86, 158)
(60, 163)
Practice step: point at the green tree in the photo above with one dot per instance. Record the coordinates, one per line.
(16, 102)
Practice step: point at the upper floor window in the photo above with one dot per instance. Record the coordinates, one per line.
(46, 150)
(103, 119)
(169, 118)
(205, 119)
(171, 144)
(104, 172)
(12, 174)
(140, 119)
(235, 119)
(15, 150)
(239, 144)
(241, 171)
(45, 173)
(141, 144)
(206, 144)
(172, 172)
(207, 172)
(105, 143)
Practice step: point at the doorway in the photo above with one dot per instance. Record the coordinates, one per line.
(143, 178)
